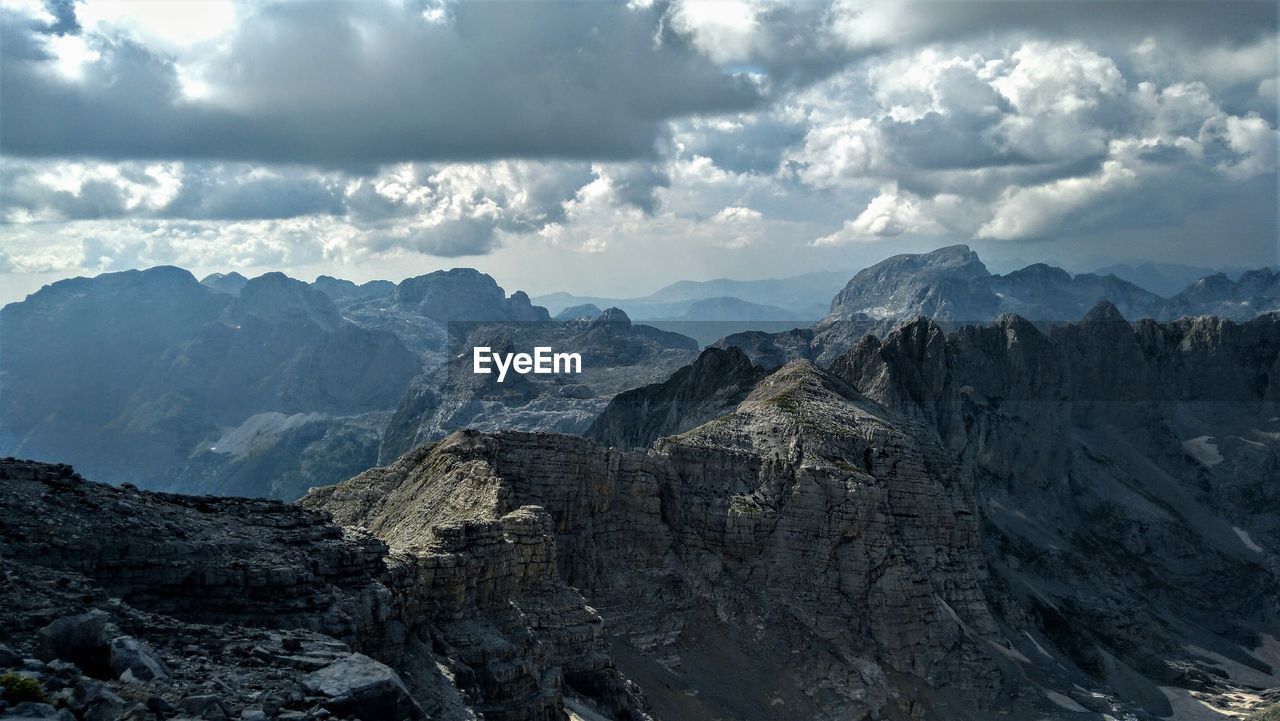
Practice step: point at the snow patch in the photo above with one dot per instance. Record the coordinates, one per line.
(1203, 450)
(580, 711)
(1039, 648)
(1065, 702)
(1010, 653)
(1246, 540)
(1236, 671)
(1186, 707)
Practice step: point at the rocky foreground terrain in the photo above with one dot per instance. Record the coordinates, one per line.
(997, 522)
(125, 604)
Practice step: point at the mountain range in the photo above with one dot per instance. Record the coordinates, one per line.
(953, 287)
(268, 386)
(798, 298)
(953, 284)
(1165, 279)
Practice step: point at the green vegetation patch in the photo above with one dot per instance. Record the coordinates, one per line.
(16, 689)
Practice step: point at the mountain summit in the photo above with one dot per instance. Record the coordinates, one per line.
(952, 284)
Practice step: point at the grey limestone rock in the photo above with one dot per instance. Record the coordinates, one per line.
(364, 688)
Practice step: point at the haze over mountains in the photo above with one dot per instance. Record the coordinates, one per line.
(270, 385)
(804, 297)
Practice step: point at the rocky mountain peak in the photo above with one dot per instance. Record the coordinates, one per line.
(464, 294)
(1104, 311)
(795, 380)
(710, 387)
(1041, 273)
(340, 290)
(948, 283)
(612, 316)
(584, 311)
(229, 283)
(277, 296)
(85, 294)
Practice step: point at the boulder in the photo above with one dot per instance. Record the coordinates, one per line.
(83, 639)
(133, 660)
(92, 699)
(204, 706)
(364, 688)
(29, 711)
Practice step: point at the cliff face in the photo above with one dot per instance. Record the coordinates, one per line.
(1125, 477)
(993, 521)
(264, 607)
(806, 541)
(708, 388)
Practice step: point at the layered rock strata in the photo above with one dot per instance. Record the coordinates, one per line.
(265, 607)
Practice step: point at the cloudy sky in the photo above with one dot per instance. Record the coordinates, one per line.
(612, 148)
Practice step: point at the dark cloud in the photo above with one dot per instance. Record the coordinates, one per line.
(637, 185)
(371, 209)
(451, 239)
(21, 191)
(358, 82)
(218, 194)
(64, 13)
(979, 120)
(1195, 22)
(748, 144)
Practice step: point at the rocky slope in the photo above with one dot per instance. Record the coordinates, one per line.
(1255, 291)
(710, 387)
(132, 375)
(994, 522)
(124, 604)
(616, 355)
(268, 386)
(1125, 480)
(727, 560)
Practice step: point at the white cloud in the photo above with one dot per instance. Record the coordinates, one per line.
(1024, 140)
(1031, 212)
(173, 26)
(839, 151)
(1255, 144)
(725, 30)
(892, 213)
(737, 214)
(1220, 65)
(884, 122)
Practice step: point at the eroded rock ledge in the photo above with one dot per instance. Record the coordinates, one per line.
(149, 605)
